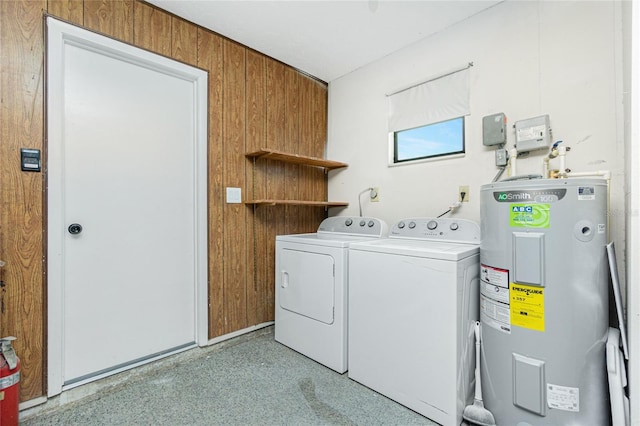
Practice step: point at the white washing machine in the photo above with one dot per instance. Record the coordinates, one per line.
(413, 300)
(311, 287)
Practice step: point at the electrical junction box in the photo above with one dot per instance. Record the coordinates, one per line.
(533, 133)
(494, 129)
(501, 157)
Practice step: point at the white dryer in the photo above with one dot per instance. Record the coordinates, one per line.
(413, 300)
(311, 287)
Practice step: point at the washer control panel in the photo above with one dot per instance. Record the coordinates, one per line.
(365, 226)
(440, 229)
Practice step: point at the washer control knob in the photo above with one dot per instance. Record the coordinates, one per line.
(400, 225)
(453, 226)
(412, 225)
(362, 223)
(348, 222)
(432, 225)
(371, 223)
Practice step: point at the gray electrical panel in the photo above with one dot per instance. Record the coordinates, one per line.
(544, 301)
(533, 133)
(494, 129)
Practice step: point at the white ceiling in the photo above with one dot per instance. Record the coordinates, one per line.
(325, 38)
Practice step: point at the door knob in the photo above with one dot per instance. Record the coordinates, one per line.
(75, 228)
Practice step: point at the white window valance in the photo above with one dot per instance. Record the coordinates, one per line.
(438, 99)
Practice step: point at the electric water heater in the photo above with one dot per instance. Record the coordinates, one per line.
(544, 301)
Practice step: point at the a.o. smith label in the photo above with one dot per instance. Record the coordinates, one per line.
(540, 196)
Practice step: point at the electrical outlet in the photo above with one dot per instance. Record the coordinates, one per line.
(374, 195)
(463, 194)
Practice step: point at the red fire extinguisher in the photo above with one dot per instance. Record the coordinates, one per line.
(9, 383)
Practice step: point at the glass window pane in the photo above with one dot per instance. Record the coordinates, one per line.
(433, 140)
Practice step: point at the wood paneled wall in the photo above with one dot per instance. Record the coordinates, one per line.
(254, 102)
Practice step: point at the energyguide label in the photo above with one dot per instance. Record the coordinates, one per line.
(527, 306)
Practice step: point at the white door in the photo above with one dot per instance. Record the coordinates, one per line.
(126, 206)
(307, 284)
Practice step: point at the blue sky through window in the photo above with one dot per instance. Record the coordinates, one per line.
(432, 140)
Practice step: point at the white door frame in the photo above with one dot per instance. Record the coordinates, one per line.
(633, 221)
(60, 35)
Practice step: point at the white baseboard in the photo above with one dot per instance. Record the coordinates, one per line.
(239, 333)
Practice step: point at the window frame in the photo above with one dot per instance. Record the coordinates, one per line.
(393, 136)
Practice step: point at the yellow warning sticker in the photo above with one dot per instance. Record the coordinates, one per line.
(527, 306)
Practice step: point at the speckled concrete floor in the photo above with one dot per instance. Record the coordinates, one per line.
(255, 381)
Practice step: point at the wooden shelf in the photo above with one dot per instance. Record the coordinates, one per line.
(296, 159)
(304, 160)
(297, 203)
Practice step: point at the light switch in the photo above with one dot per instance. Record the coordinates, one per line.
(234, 195)
(30, 160)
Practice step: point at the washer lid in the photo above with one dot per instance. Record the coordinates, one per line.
(419, 248)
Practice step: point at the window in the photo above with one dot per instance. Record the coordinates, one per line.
(432, 140)
(426, 120)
